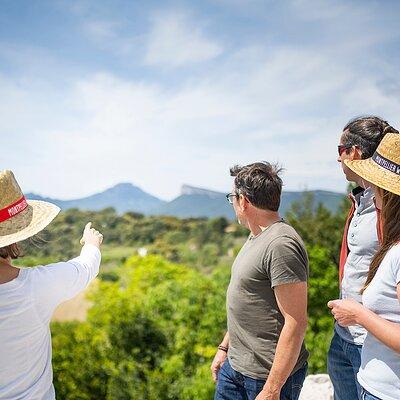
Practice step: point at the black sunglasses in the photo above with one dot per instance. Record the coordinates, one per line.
(230, 197)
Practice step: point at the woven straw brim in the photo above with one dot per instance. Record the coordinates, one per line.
(28, 223)
(378, 176)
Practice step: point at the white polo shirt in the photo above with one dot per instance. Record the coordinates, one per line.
(362, 240)
(26, 306)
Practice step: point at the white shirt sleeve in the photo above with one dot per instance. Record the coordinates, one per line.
(54, 283)
(395, 263)
(397, 272)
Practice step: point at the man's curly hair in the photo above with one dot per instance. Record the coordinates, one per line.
(260, 183)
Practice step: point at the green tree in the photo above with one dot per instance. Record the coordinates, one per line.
(323, 286)
(151, 334)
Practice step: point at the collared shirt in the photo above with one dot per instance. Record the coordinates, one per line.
(26, 306)
(362, 241)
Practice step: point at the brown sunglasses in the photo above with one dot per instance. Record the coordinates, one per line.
(343, 147)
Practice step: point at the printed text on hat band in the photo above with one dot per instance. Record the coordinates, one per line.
(387, 164)
(13, 209)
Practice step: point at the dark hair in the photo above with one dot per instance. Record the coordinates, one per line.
(390, 231)
(13, 251)
(366, 133)
(259, 183)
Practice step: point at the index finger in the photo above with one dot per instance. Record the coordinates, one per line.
(88, 226)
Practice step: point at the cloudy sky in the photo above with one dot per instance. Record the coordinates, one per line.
(161, 93)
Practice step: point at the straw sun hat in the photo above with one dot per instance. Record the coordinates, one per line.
(383, 168)
(21, 218)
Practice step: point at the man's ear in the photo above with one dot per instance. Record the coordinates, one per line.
(243, 202)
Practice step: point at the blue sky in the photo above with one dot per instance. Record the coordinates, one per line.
(161, 93)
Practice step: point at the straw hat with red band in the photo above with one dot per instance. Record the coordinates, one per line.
(383, 168)
(21, 218)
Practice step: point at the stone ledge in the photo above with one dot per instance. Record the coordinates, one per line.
(317, 387)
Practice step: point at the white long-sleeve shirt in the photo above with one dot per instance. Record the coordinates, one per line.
(26, 306)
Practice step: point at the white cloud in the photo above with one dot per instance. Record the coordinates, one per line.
(108, 35)
(101, 29)
(176, 39)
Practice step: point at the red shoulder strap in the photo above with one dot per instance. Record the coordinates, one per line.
(344, 251)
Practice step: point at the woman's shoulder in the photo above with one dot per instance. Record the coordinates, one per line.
(394, 252)
(44, 271)
(392, 259)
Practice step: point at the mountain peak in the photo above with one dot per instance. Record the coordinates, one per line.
(123, 185)
(191, 190)
(124, 188)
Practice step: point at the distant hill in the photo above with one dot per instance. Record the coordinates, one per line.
(331, 200)
(196, 202)
(123, 197)
(192, 202)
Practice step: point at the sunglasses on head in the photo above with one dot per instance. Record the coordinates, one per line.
(343, 147)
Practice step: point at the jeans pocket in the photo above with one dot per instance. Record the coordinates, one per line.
(291, 391)
(296, 389)
(364, 394)
(285, 396)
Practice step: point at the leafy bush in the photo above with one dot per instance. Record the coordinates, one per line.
(151, 334)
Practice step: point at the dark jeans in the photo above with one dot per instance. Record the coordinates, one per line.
(368, 396)
(344, 361)
(232, 385)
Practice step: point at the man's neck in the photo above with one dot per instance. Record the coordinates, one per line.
(7, 271)
(262, 220)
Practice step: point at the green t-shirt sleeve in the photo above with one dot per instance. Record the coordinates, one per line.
(286, 261)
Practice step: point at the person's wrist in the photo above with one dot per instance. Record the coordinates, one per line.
(273, 386)
(92, 243)
(362, 315)
(223, 348)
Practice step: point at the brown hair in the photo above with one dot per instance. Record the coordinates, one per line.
(366, 133)
(13, 251)
(390, 233)
(259, 183)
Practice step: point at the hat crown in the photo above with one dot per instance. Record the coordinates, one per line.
(9, 189)
(389, 147)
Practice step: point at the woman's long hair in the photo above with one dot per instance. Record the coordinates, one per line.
(390, 232)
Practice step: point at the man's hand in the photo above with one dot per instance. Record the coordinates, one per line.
(91, 236)
(267, 394)
(216, 365)
(346, 312)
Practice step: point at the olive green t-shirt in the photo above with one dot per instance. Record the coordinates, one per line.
(274, 257)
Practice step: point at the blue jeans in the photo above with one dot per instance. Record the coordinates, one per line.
(232, 385)
(368, 396)
(344, 360)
